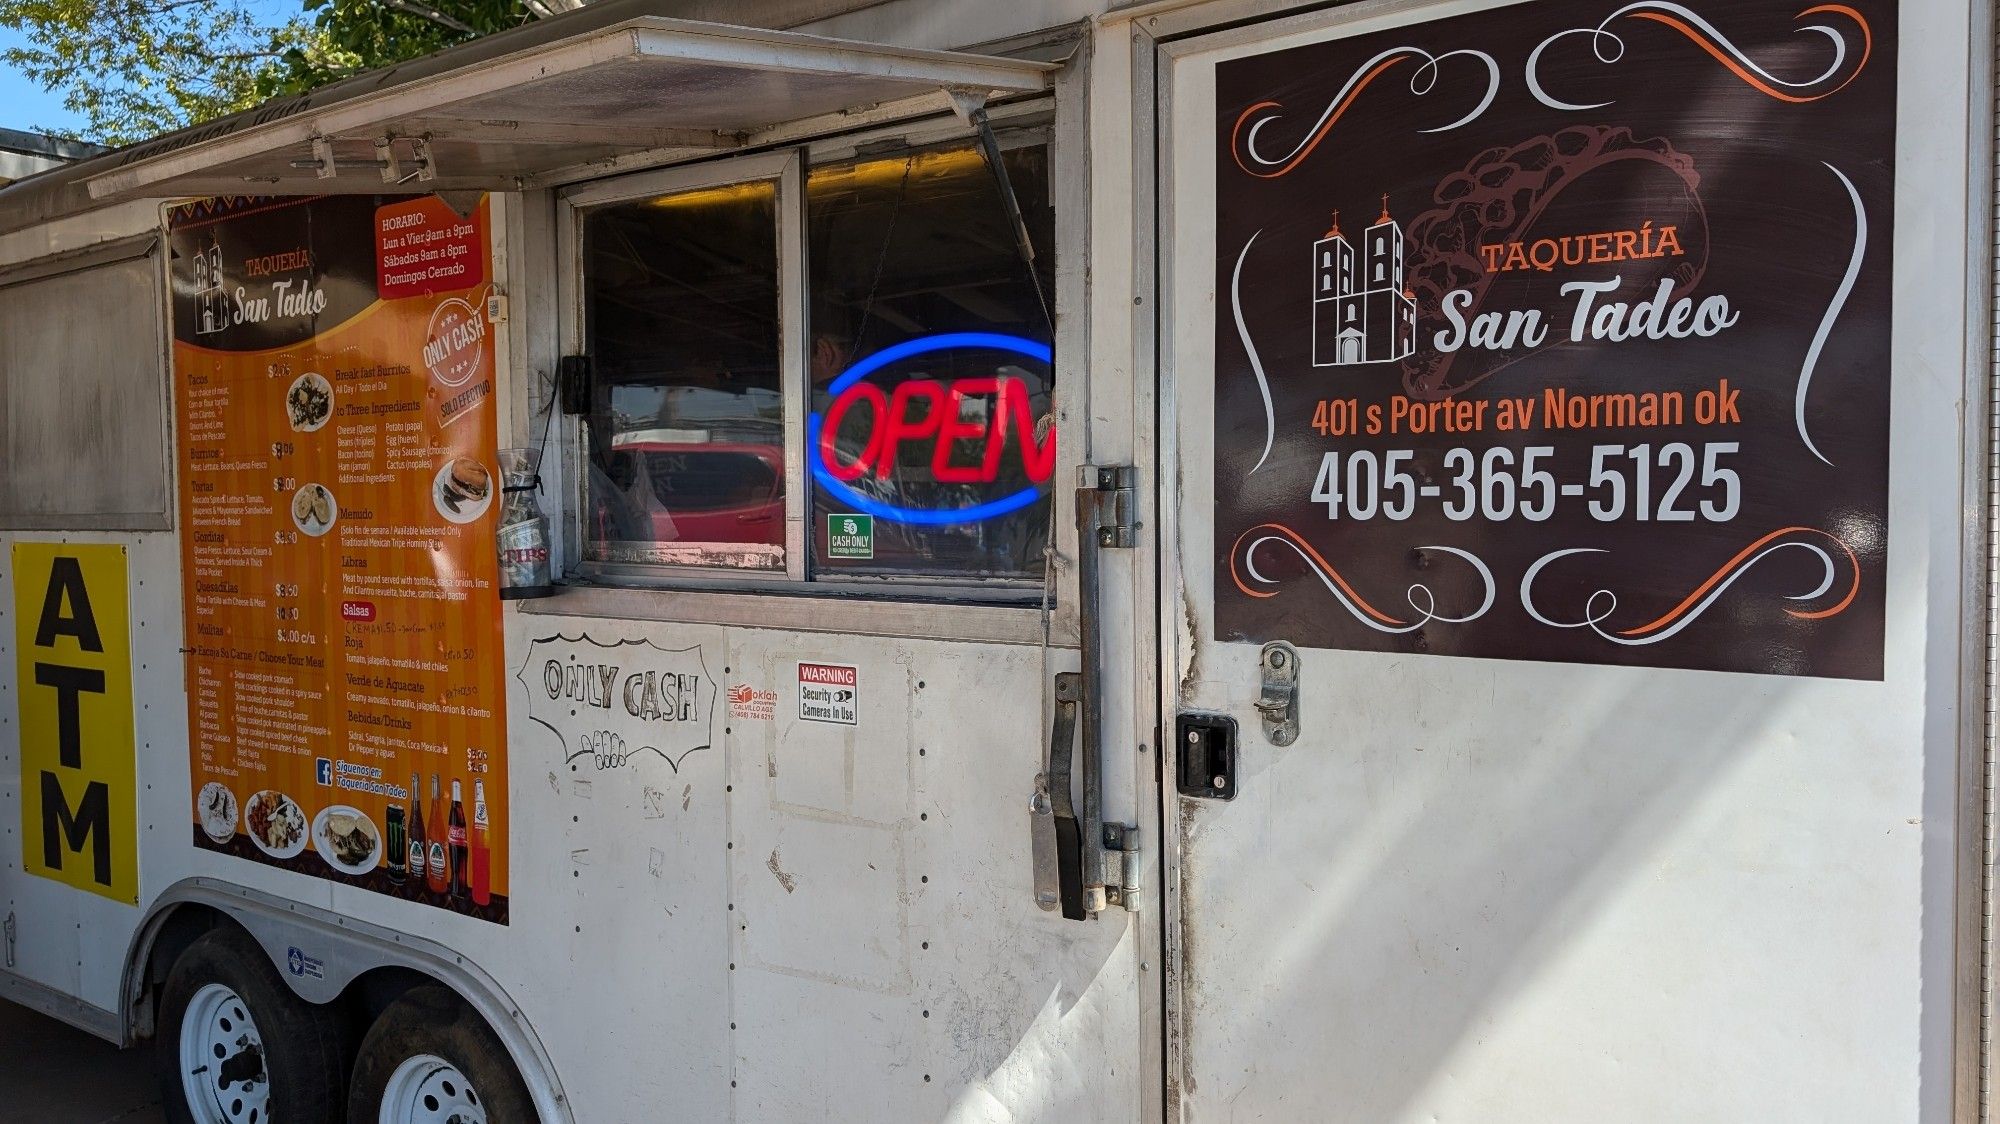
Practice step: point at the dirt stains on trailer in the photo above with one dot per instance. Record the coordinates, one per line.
(1191, 667)
(1180, 1077)
(789, 881)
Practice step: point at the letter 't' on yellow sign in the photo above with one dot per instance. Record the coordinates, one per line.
(73, 680)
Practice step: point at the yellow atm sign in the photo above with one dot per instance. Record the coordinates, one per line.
(73, 677)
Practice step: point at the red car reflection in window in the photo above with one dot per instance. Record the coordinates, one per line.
(695, 493)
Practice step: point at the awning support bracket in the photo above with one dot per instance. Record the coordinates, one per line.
(325, 165)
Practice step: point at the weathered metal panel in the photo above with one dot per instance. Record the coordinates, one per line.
(82, 442)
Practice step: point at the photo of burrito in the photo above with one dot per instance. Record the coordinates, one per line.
(309, 402)
(462, 490)
(313, 509)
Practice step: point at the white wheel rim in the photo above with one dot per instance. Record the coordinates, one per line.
(222, 1060)
(426, 1089)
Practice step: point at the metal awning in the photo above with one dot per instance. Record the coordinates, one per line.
(547, 104)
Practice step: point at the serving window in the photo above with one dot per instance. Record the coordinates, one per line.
(684, 441)
(835, 371)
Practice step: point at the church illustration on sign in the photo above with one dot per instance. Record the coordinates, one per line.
(1362, 313)
(211, 297)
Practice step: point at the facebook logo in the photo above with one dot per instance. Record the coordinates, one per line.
(325, 770)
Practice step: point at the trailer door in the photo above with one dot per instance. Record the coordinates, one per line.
(1546, 748)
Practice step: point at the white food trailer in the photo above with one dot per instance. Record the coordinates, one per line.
(1230, 560)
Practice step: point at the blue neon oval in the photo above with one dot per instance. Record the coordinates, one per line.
(947, 341)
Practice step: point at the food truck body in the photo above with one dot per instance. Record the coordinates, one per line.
(1384, 561)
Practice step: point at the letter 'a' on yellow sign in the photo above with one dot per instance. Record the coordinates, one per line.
(73, 681)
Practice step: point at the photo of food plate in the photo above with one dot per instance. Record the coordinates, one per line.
(275, 823)
(462, 490)
(216, 806)
(313, 509)
(309, 402)
(346, 838)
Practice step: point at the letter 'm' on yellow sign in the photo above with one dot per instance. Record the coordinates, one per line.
(73, 665)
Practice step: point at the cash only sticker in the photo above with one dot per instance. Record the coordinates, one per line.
(850, 536)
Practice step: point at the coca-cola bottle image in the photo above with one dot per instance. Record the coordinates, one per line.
(457, 837)
(418, 852)
(437, 862)
(482, 874)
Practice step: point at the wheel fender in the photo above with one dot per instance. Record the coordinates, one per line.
(318, 953)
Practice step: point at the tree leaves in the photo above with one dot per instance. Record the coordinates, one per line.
(132, 69)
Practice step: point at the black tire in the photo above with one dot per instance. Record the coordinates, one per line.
(433, 1020)
(305, 1054)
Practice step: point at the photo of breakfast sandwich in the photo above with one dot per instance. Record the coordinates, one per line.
(462, 490)
(313, 509)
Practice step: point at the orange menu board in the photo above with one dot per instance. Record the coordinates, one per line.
(333, 371)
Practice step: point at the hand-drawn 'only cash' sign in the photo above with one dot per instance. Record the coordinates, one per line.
(612, 704)
(1560, 331)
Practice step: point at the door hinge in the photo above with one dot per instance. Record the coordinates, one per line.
(1121, 865)
(10, 938)
(1116, 506)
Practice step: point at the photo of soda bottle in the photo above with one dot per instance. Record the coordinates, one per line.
(437, 863)
(482, 860)
(419, 854)
(456, 834)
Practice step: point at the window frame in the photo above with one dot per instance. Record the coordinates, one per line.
(785, 170)
(1043, 113)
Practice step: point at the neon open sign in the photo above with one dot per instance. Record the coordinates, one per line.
(929, 411)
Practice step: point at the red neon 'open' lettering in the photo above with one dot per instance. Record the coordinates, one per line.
(954, 428)
(898, 426)
(897, 417)
(1038, 459)
(836, 412)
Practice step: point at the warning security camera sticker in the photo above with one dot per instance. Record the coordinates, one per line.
(829, 692)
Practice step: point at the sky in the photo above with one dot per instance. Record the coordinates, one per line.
(25, 105)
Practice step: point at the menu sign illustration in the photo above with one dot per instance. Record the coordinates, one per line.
(334, 376)
(1560, 331)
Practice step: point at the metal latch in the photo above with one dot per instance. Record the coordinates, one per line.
(1278, 702)
(1083, 863)
(1057, 844)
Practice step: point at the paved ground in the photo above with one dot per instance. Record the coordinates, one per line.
(53, 1074)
